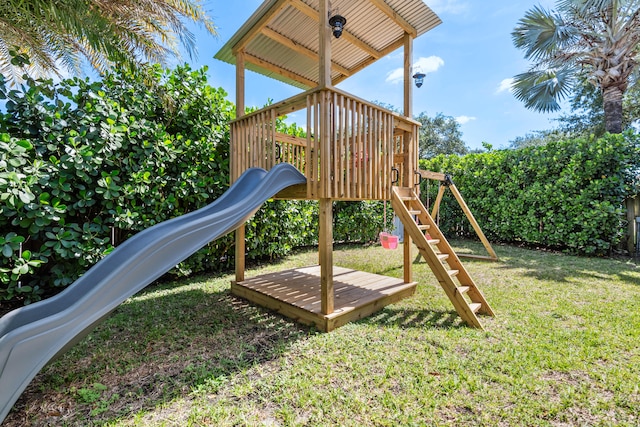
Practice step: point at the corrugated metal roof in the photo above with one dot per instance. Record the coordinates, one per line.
(280, 39)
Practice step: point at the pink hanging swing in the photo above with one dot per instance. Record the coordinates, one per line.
(387, 240)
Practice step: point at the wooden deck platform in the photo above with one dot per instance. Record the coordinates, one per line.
(296, 294)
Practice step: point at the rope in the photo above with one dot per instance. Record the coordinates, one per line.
(384, 228)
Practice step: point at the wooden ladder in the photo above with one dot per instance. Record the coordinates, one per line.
(445, 264)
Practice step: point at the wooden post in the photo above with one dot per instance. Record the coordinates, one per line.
(408, 87)
(409, 155)
(324, 79)
(473, 221)
(408, 159)
(240, 246)
(325, 208)
(240, 87)
(325, 247)
(323, 142)
(436, 204)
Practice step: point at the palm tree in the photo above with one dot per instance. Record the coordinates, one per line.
(66, 34)
(596, 37)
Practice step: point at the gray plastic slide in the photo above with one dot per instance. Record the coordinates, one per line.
(33, 335)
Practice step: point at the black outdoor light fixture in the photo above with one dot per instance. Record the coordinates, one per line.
(419, 78)
(337, 23)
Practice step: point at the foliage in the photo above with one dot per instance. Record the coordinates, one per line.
(565, 194)
(439, 135)
(280, 226)
(538, 138)
(68, 34)
(360, 221)
(596, 37)
(587, 112)
(387, 106)
(86, 163)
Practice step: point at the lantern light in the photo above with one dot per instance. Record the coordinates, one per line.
(337, 23)
(419, 78)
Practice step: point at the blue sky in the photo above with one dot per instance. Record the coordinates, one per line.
(468, 60)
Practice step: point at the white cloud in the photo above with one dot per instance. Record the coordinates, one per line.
(454, 7)
(426, 65)
(505, 85)
(464, 119)
(429, 65)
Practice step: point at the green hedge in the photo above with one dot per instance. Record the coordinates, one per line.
(565, 195)
(82, 163)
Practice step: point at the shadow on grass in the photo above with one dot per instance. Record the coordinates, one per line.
(410, 318)
(629, 278)
(164, 344)
(560, 267)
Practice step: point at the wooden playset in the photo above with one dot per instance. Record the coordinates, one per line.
(353, 150)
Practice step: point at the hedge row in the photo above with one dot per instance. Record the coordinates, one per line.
(565, 195)
(84, 165)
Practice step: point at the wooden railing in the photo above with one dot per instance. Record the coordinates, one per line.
(353, 150)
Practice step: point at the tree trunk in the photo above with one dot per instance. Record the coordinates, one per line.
(612, 97)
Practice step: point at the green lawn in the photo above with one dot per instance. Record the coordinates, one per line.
(564, 350)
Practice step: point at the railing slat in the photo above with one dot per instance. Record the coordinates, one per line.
(349, 150)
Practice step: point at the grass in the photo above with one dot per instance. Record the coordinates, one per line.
(564, 350)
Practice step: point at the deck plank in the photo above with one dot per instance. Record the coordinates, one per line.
(296, 293)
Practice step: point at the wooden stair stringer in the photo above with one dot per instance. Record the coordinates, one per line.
(455, 279)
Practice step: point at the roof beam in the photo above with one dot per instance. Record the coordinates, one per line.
(305, 8)
(407, 27)
(291, 44)
(264, 20)
(399, 43)
(279, 70)
(360, 44)
(312, 13)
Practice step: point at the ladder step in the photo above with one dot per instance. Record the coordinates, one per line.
(475, 306)
(462, 289)
(459, 287)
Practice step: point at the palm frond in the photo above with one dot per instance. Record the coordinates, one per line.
(541, 90)
(102, 32)
(541, 33)
(585, 7)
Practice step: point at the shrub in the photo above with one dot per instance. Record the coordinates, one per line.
(359, 221)
(86, 164)
(564, 195)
